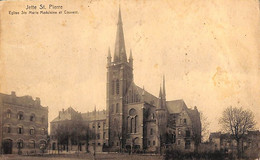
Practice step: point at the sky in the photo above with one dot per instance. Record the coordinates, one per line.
(208, 51)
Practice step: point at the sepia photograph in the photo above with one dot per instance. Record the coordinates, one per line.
(130, 79)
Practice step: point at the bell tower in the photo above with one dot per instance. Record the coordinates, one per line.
(119, 78)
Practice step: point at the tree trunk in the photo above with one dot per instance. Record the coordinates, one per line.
(238, 148)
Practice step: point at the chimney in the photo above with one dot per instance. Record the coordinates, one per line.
(37, 101)
(13, 94)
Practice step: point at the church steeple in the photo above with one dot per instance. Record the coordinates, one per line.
(164, 92)
(160, 102)
(120, 52)
(109, 57)
(131, 58)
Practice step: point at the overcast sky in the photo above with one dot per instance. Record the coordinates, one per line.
(208, 50)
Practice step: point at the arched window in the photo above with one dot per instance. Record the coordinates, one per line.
(43, 131)
(20, 143)
(132, 121)
(32, 118)
(112, 108)
(8, 128)
(117, 108)
(32, 131)
(20, 116)
(179, 131)
(113, 87)
(32, 144)
(8, 114)
(42, 144)
(43, 119)
(117, 86)
(20, 130)
(135, 127)
(132, 125)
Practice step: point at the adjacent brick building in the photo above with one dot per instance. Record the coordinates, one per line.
(24, 124)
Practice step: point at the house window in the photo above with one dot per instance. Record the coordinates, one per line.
(179, 131)
(187, 144)
(43, 131)
(20, 130)
(8, 114)
(32, 144)
(185, 121)
(179, 142)
(8, 129)
(98, 136)
(32, 118)
(104, 124)
(117, 108)
(117, 86)
(153, 142)
(20, 143)
(32, 130)
(104, 135)
(187, 133)
(98, 125)
(43, 119)
(20, 116)
(151, 131)
(93, 125)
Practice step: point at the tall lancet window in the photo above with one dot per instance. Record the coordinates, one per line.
(117, 86)
(113, 87)
(132, 121)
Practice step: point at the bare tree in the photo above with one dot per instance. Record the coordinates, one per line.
(204, 127)
(237, 122)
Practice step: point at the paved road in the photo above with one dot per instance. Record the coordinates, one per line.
(110, 156)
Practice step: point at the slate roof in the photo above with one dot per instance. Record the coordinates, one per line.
(68, 114)
(94, 115)
(175, 106)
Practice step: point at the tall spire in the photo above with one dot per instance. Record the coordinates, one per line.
(164, 92)
(109, 57)
(120, 53)
(131, 58)
(160, 102)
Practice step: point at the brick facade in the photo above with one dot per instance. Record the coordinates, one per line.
(24, 124)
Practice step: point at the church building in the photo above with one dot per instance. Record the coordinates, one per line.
(137, 119)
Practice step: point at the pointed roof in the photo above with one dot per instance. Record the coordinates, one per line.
(160, 102)
(120, 52)
(130, 56)
(164, 92)
(109, 53)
